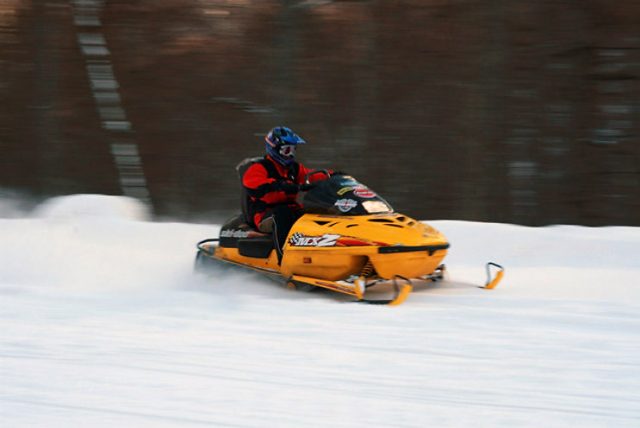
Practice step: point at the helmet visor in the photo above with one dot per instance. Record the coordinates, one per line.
(288, 150)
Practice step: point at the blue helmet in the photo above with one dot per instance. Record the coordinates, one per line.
(281, 144)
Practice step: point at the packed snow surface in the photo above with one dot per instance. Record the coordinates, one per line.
(103, 324)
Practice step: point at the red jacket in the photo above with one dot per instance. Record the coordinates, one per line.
(272, 185)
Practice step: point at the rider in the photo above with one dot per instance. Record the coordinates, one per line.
(272, 185)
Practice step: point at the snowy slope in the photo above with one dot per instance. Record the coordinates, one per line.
(102, 324)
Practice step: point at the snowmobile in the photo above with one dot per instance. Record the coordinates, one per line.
(348, 240)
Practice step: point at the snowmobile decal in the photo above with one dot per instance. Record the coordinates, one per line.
(363, 192)
(330, 240)
(231, 233)
(326, 240)
(344, 190)
(348, 241)
(346, 205)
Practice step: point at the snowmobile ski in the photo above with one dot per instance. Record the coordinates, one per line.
(492, 283)
(356, 288)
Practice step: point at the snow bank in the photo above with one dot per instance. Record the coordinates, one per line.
(78, 207)
(96, 242)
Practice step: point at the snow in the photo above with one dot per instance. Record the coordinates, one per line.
(103, 323)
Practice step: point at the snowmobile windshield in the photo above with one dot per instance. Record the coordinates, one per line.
(344, 195)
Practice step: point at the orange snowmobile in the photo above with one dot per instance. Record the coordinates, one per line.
(348, 240)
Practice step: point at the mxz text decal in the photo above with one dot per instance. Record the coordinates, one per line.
(326, 240)
(330, 240)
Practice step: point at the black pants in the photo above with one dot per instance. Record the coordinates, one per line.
(278, 221)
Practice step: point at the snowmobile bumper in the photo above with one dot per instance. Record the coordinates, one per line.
(408, 261)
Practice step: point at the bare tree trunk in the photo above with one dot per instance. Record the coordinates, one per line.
(46, 83)
(285, 52)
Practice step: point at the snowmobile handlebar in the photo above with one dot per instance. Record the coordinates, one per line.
(314, 172)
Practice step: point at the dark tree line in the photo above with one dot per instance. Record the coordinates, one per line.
(523, 112)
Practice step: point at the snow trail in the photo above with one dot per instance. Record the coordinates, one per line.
(103, 323)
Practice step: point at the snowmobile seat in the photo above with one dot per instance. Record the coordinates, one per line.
(241, 168)
(256, 247)
(237, 233)
(256, 244)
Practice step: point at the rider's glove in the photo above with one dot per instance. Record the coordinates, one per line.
(307, 187)
(289, 187)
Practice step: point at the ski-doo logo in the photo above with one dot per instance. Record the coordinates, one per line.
(231, 233)
(326, 240)
(346, 205)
